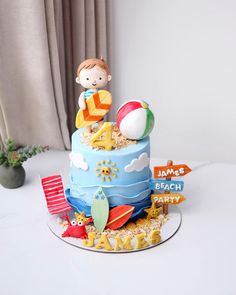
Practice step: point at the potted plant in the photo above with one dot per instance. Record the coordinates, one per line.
(12, 173)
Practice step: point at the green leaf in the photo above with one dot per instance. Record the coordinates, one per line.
(10, 155)
(10, 145)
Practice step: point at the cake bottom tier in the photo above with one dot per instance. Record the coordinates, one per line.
(138, 195)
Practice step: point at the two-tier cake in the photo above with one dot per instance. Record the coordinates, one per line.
(109, 203)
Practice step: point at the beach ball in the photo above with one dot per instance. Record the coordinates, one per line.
(134, 119)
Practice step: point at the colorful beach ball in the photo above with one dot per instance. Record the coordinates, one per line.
(134, 119)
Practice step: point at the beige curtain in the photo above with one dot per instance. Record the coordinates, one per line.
(41, 45)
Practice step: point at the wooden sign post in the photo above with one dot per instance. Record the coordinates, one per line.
(167, 172)
(165, 206)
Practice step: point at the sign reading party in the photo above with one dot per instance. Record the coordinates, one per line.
(168, 199)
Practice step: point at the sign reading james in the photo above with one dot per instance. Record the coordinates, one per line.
(171, 171)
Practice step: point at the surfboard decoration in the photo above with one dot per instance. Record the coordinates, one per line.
(100, 210)
(135, 120)
(118, 216)
(98, 105)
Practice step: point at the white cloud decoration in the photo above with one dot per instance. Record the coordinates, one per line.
(138, 164)
(78, 161)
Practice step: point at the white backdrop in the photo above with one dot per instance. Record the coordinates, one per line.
(180, 56)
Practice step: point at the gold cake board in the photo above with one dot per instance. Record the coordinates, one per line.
(168, 230)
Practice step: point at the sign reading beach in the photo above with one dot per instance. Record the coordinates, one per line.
(167, 185)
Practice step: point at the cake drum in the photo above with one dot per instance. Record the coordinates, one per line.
(168, 230)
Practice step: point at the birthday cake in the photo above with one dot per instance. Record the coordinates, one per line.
(123, 174)
(109, 203)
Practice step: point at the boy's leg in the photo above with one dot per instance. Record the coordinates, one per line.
(100, 123)
(88, 129)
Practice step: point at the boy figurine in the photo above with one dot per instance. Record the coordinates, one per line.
(92, 74)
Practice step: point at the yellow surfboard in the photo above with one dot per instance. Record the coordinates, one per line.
(98, 105)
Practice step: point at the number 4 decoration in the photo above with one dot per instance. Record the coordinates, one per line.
(108, 142)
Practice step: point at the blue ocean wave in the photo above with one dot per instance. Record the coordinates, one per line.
(79, 205)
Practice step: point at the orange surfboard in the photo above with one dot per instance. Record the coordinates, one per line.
(118, 216)
(98, 105)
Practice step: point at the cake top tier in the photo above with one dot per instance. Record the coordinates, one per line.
(81, 143)
(119, 141)
(124, 166)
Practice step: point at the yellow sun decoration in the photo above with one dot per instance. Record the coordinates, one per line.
(106, 170)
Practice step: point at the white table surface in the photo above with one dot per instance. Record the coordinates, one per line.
(199, 259)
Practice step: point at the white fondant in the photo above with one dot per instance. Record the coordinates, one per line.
(133, 125)
(138, 164)
(78, 161)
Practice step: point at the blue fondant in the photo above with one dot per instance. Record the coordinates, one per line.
(121, 158)
(114, 199)
(80, 205)
(127, 188)
(77, 204)
(127, 192)
(120, 200)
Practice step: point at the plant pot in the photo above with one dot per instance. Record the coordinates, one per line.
(12, 177)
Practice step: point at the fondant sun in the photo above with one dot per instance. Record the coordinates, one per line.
(106, 170)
